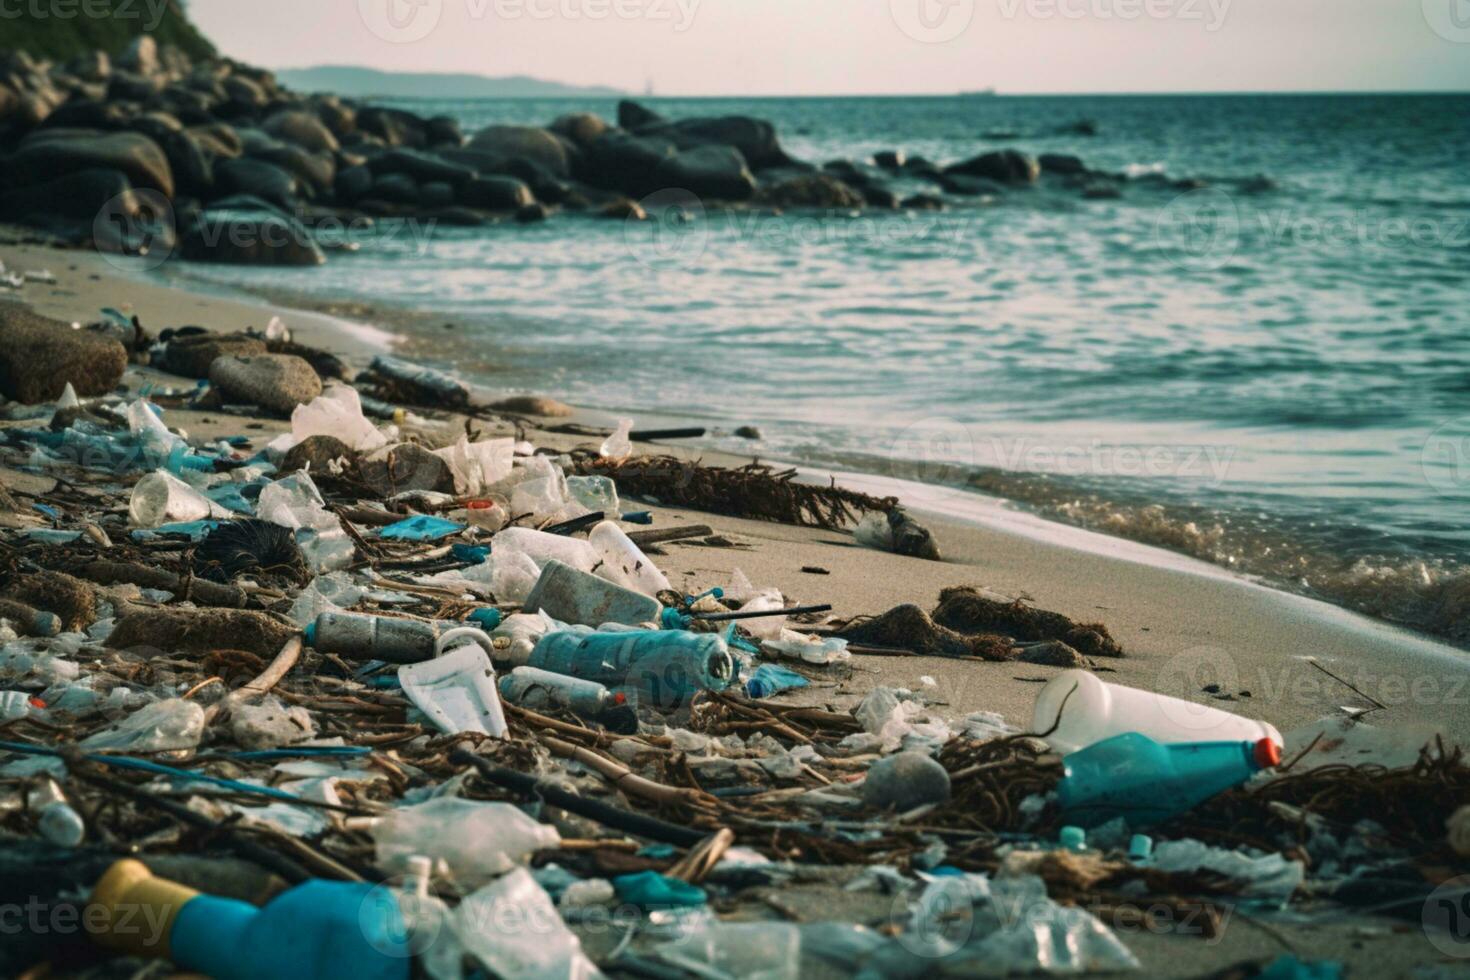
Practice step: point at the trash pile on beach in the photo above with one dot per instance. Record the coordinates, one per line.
(385, 695)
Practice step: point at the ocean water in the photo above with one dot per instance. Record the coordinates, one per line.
(1273, 375)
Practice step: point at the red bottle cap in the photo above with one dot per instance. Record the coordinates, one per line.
(1266, 753)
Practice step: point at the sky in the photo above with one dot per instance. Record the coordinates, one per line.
(830, 47)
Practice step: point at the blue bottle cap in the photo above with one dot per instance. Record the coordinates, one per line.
(1140, 847)
(1073, 838)
(309, 634)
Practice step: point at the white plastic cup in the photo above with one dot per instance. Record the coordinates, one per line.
(1096, 710)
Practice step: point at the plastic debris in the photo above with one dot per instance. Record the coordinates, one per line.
(573, 596)
(421, 528)
(649, 890)
(456, 690)
(618, 446)
(513, 928)
(768, 679)
(476, 841)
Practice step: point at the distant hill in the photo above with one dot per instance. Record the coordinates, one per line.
(34, 28)
(364, 82)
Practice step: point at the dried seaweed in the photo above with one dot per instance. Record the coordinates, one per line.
(965, 610)
(908, 627)
(249, 546)
(755, 490)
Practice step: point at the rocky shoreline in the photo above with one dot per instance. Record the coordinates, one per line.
(155, 153)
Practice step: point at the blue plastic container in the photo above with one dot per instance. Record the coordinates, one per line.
(1145, 782)
(665, 667)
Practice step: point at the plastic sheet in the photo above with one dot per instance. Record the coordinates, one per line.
(477, 841)
(337, 412)
(478, 465)
(513, 928)
(158, 727)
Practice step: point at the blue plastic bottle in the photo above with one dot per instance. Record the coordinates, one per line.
(665, 667)
(320, 930)
(1145, 782)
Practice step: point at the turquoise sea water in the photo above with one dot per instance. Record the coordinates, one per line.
(1271, 375)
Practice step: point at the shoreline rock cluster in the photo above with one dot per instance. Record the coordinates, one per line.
(152, 152)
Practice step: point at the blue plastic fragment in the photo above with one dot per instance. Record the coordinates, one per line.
(193, 530)
(476, 553)
(487, 619)
(638, 517)
(421, 527)
(769, 679)
(48, 510)
(651, 890)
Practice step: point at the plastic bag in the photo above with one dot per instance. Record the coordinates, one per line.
(513, 928)
(337, 412)
(478, 465)
(618, 445)
(476, 840)
(158, 727)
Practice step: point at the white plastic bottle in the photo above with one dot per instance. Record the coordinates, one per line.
(541, 547)
(623, 563)
(1095, 710)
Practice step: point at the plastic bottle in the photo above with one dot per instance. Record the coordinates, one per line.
(397, 641)
(770, 679)
(623, 562)
(14, 705)
(487, 515)
(665, 667)
(535, 689)
(541, 547)
(162, 498)
(1095, 710)
(320, 930)
(28, 621)
(618, 445)
(477, 840)
(1144, 781)
(573, 596)
(55, 818)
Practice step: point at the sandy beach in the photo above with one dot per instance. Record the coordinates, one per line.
(1183, 625)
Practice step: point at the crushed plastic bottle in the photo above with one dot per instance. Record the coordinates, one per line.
(1092, 710)
(162, 498)
(161, 726)
(623, 562)
(541, 548)
(476, 840)
(1134, 777)
(538, 689)
(618, 445)
(573, 596)
(598, 494)
(665, 667)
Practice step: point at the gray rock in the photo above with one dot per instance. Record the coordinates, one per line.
(247, 237)
(39, 356)
(496, 194)
(277, 382)
(353, 183)
(497, 147)
(710, 172)
(257, 178)
(395, 189)
(1003, 166)
(50, 153)
(582, 128)
(405, 467)
(904, 781)
(393, 127)
(422, 167)
(632, 116)
(754, 138)
(302, 128)
(191, 355)
(1061, 163)
(810, 191)
(623, 162)
(890, 159)
(76, 196)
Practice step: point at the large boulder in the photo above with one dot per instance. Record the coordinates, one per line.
(316, 171)
(709, 172)
(275, 382)
(497, 147)
(423, 167)
(1004, 166)
(50, 153)
(141, 56)
(257, 178)
(1062, 163)
(496, 194)
(582, 128)
(393, 126)
(754, 138)
(810, 191)
(218, 138)
(632, 116)
(249, 237)
(192, 354)
(623, 162)
(303, 129)
(78, 196)
(39, 356)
